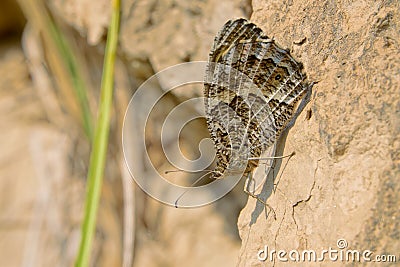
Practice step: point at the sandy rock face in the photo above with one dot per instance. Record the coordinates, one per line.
(343, 181)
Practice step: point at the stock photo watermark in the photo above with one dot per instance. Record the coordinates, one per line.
(340, 253)
(137, 115)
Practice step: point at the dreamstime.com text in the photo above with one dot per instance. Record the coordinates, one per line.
(341, 253)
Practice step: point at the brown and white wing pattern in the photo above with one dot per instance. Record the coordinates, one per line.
(251, 90)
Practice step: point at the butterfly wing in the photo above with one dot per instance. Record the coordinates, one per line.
(251, 89)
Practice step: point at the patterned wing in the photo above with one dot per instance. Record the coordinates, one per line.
(251, 90)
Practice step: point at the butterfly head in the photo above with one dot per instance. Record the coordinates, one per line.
(224, 170)
(218, 172)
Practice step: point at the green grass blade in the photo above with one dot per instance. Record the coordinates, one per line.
(64, 64)
(78, 83)
(100, 142)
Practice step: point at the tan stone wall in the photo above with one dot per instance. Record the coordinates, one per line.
(343, 180)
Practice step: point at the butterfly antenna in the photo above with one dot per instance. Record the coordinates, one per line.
(169, 171)
(271, 157)
(180, 170)
(193, 184)
(275, 157)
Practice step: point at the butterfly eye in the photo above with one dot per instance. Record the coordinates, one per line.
(278, 77)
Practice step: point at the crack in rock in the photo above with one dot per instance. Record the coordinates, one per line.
(304, 200)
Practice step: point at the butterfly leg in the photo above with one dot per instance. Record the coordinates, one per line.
(247, 184)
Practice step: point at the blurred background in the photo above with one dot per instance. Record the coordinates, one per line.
(343, 181)
(51, 56)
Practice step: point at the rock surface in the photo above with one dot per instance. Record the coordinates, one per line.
(343, 181)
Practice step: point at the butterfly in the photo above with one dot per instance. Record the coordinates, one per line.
(252, 89)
